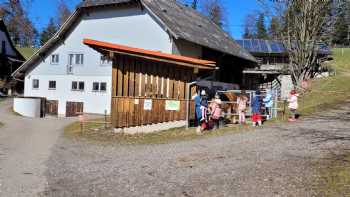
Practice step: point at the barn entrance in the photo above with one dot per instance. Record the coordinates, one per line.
(51, 107)
(74, 108)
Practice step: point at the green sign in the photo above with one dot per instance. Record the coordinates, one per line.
(172, 105)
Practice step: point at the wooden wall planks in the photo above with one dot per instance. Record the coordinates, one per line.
(136, 80)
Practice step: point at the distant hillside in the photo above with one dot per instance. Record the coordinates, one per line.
(27, 52)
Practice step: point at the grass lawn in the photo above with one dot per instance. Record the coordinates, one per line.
(327, 92)
(27, 52)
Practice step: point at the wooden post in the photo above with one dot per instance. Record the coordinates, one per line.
(81, 120)
(284, 109)
(105, 119)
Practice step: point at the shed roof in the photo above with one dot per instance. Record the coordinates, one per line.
(148, 54)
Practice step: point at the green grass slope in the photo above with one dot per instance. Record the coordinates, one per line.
(27, 52)
(327, 92)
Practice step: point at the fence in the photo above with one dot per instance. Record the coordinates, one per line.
(230, 106)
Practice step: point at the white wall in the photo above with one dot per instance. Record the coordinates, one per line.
(131, 27)
(94, 102)
(9, 49)
(28, 107)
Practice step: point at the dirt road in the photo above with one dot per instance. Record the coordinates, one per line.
(279, 160)
(25, 146)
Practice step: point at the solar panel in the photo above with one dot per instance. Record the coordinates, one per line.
(240, 42)
(263, 46)
(274, 47)
(255, 46)
(248, 45)
(281, 47)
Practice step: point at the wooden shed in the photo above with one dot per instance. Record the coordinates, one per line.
(149, 87)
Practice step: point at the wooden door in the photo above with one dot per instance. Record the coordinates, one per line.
(51, 107)
(74, 109)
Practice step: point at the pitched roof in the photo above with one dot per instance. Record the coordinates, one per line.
(3, 28)
(180, 21)
(148, 54)
(185, 23)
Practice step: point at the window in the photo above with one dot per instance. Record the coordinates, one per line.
(55, 58)
(70, 59)
(35, 83)
(95, 86)
(81, 85)
(105, 61)
(76, 59)
(52, 85)
(102, 87)
(74, 85)
(78, 85)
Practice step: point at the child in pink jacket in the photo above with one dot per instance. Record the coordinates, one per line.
(293, 104)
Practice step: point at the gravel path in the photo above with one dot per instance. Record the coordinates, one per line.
(25, 146)
(279, 160)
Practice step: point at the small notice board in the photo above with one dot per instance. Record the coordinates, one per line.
(147, 105)
(171, 105)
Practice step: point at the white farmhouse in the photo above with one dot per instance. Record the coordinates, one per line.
(76, 78)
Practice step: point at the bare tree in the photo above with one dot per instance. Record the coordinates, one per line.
(214, 9)
(63, 12)
(20, 27)
(249, 26)
(303, 23)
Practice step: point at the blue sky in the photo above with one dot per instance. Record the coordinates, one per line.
(41, 10)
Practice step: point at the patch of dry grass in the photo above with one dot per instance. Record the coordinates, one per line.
(97, 133)
(334, 180)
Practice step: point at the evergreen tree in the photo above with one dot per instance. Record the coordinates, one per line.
(194, 4)
(261, 32)
(274, 28)
(48, 32)
(342, 23)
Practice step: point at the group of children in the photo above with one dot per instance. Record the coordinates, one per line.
(268, 102)
(208, 113)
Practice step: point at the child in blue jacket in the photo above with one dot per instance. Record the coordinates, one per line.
(256, 109)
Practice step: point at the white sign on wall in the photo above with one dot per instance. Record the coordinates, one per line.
(147, 105)
(172, 105)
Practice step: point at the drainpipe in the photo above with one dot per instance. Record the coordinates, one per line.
(188, 102)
